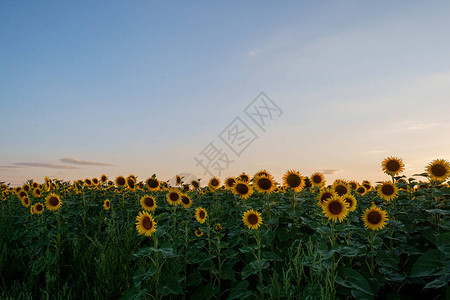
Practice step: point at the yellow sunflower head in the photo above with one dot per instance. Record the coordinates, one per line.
(177, 180)
(317, 179)
(131, 183)
(173, 197)
(392, 165)
(22, 194)
(374, 218)
(198, 232)
(218, 227)
(367, 185)
(252, 219)
(37, 192)
(264, 184)
(351, 201)
(53, 202)
(107, 204)
(121, 181)
(87, 182)
(293, 180)
(242, 189)
(38, 208)
(195, 184)
(32, 209)
(152, 184)
(214, 183)
(335, 208)
(243, 177)
(341, 187)
(325, 194)
(200, 215)
(353, 185)
(25, 201)
(103, 178)
(263, 172)
(95, 181)
(34, 185)
(26, 188)
(361, 190)
(438, 170)
(145, 224)
(148, 203)
(229, 182)
(387, 190)
(186, 201)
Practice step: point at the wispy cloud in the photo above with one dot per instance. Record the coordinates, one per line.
(10, 167)
(75, 161)
(45, 165)
(330, 171)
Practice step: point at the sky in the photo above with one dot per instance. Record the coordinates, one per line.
(148, 87)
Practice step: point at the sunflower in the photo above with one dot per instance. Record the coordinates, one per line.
(335, 208)
(353, 184)
(264, 184)
(25, 201)
(186, 201)
(53, 202)
(26, 188)
(243, 177)
(229, 182)
(177, 180)
(38, 208)
(294, 180)
(200, 215)
(387, 190)
(121, 181)
(17, 189)
(95, 181)
(103, 178)
(214, 183)
(145, 224)
(242, 189)
(152, 184)
(173, 197)
(252, 219)
(34, 185)
(107, 204)
(110, 183)
(87, 182)
(32, 210)
(361, 190)
(22, 194)
(341, 187)
(195, 184)
(198, 232)
(351, 201)
(148, 203)
(37, 192)
(131, 183)
(218, 227)
(438, 170)
(392, 166)
(374, 218)
(367, 185)
(325, 194)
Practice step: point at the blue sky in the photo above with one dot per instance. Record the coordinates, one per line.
(144, 86)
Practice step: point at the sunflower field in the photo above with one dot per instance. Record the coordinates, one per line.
(246, 237)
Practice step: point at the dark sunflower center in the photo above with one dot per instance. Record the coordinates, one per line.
(293, 180)
(38, 192)
(178, 180)
(325, 196)
(103, 178)
(107, 203)
(349, 201)
(26, 201)
(88, 182)
(367, 186)
(317, 179)
(387, 190)
(361, 190)
(353, 185)
(230, 182)
(252, 219)
(265, 184)
(120, 181)
(438, 170)
(341, 190)
(374, 217)
(174, 197)
(244, 178)
(214, 182)
(39, 207)
(195, 184)
(202, 214)
(149, 202)
(53, 201)
(242, 189)
(393, 166)
(152, 183)
(185, 200)
(335, 208)
(131, 183)
(95, 181)
(147, 223)
(22, 194)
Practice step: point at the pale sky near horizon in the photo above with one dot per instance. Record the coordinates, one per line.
(142, 87)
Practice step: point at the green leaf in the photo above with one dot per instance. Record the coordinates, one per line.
(248, 249)
(353, 279)
(438, 283)
(239, 291)
(428, 264)
(438, 211)
(206, 265)
(139, 276)
(166, 252)
(228, 274)
(386, 260)
(171, 286)
(252, 268)
(271, 256)
(194, 279)
(134, 294)
(443, 243)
